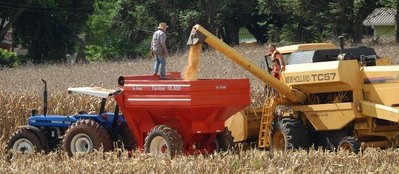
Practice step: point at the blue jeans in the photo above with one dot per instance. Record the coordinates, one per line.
(159, 61)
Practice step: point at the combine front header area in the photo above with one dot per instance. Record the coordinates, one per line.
(169, 116)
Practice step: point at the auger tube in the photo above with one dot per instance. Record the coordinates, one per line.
(200, 34)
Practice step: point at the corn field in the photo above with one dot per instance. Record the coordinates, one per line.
(21, 90)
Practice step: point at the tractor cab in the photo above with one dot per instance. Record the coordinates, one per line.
(78, 133)
(101, 117)
(55, 126)
(103, 93)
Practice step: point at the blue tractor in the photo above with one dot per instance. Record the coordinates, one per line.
(78, 133)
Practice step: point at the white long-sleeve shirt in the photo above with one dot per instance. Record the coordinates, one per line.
(158, 43)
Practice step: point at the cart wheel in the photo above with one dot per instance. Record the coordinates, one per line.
(163, 141)
(85, 136)
(225, 140)
(24, 141)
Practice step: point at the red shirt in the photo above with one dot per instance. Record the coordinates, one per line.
(276, 72)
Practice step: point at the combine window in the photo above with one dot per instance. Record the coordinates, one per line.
(364, 55)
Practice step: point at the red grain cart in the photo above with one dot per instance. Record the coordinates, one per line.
(175, 115)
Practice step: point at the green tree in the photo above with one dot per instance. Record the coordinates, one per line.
(10, 10)
(312, 20)
(47, 28)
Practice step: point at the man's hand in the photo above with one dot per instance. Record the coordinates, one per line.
(282, 68)
(152, 54)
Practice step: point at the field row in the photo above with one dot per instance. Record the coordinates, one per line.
(251, 161)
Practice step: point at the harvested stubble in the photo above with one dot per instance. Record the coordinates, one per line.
(251, 161)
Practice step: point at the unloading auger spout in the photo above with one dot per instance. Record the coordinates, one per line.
(199, 35)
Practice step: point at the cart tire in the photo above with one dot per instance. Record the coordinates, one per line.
(349, 144)
(85, 136)
(288, 134)
(163, 141)
(225, 140)
(23, 141)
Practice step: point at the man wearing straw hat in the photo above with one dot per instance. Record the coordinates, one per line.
(158, 48)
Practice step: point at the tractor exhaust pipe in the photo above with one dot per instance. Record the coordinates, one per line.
(45, 98)
(341, 44)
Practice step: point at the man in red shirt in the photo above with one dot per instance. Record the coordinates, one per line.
(276, 68)
(274, 54)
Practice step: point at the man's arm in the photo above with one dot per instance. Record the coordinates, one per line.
(152, 45)
(281, 61)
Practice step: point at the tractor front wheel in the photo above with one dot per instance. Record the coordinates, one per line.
(163, 141)
(24, 141)
(85, 136)
(287, 134)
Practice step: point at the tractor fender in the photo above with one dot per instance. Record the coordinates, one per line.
(39, 133)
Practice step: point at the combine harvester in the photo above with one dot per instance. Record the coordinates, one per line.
(334, 98)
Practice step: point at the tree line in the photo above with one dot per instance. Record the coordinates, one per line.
(112, 29)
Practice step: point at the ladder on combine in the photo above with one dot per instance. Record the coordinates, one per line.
(266, 122)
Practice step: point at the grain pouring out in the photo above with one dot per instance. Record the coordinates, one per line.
(193, 62)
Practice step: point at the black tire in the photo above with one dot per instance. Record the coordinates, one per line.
(24, 141)
(85, 136)
(127, 138)
(225, 140)
(350, 144)
(163, 141)
(288, 134)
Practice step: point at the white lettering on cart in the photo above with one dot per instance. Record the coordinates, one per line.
(158, 88)
(221, 87)
(166, 88)
(137, 88)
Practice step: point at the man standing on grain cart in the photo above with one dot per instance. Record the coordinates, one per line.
(274, 54)
(158, 48)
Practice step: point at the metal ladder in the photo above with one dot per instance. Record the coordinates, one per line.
(266, 122)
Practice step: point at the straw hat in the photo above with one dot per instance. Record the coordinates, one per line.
(162, 25)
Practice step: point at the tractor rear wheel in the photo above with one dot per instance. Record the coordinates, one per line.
(225, 140)
(85, 136)
(349, 144)
(24, 141)
(163, 141)
(287, 134)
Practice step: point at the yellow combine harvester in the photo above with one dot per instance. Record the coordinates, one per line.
(329, 97)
